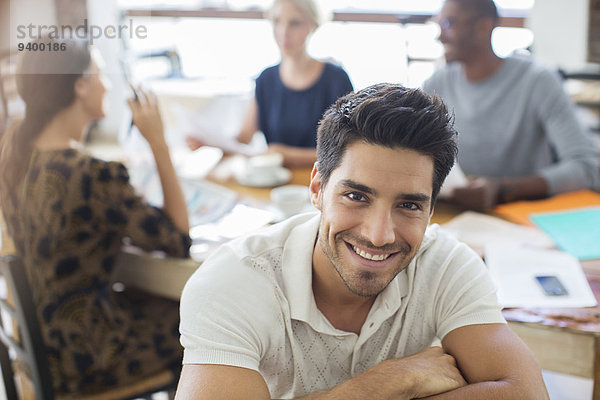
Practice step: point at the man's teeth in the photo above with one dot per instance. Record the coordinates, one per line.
(368, 256)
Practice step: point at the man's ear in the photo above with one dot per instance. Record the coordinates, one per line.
(315, 187)
(484, 28)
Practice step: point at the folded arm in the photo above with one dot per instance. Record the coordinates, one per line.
(495, 362)
(428, 372)
(577, 160)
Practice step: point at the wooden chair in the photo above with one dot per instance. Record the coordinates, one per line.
(22, 351)
(11, 105)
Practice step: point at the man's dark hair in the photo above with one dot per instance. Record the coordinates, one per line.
(393, 116)
(480, 8)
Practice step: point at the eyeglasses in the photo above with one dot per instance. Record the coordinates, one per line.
(451, 22)
(446, 23)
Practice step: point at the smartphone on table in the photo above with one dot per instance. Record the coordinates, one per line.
(551, 285)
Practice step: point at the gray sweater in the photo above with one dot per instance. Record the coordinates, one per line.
(517, 123)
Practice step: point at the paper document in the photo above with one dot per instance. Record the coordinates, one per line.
(515, 268)
(519, 211)
(575, 231)
(238, 221)
(214, 127)
(206, 201)
(195, 164)
(479, 230)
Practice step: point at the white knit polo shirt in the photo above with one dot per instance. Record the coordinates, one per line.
(251, 305)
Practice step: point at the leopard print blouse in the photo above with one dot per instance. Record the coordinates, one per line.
(68, 225)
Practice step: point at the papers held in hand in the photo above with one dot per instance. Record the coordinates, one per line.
(215, 125)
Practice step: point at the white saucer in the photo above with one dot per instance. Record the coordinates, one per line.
(277, 176)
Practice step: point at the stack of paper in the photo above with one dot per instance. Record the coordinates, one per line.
(572, 220)
(479, 230)
(514, 269)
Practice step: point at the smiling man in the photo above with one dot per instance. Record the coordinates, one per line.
(345, 303)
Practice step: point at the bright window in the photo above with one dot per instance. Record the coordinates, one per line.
(370, 52)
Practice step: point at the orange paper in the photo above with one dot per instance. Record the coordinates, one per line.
(519, 211)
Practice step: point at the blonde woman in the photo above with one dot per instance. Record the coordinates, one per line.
(290, 97)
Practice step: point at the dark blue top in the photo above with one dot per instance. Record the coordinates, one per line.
(291, 116)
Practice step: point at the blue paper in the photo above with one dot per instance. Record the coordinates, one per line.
(575, 231)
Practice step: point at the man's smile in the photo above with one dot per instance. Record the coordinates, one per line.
(367, 254)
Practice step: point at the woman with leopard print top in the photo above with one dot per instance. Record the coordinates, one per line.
(68, 214)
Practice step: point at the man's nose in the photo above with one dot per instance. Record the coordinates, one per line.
(442, 36)
(379, 228)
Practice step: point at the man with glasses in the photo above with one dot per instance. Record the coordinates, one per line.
(519, 135)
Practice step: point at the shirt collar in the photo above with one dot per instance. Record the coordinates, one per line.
(297, 269)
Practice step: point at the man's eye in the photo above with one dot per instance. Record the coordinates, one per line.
(410, 206)
(356, 196)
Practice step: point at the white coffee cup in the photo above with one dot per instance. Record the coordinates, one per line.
(264, 164)
(291, 199)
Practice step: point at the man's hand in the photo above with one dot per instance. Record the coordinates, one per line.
(430, 372)
(193, 143)
(294, 157)
(278, 148)
(427, 373)
(480, 194)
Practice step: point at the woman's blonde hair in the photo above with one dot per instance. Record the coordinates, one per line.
(308, 7)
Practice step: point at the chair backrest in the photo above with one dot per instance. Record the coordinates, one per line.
(21, 344)
(21, 338)
(11, 105)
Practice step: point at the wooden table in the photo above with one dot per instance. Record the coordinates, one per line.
(300, 176)
(565, 340)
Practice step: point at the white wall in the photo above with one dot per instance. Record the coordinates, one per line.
(25, 12)
(560, 29)
(4, 25)
(104, 13)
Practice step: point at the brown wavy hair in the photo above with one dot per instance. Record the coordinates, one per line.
(46, 83)
(393, 116)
